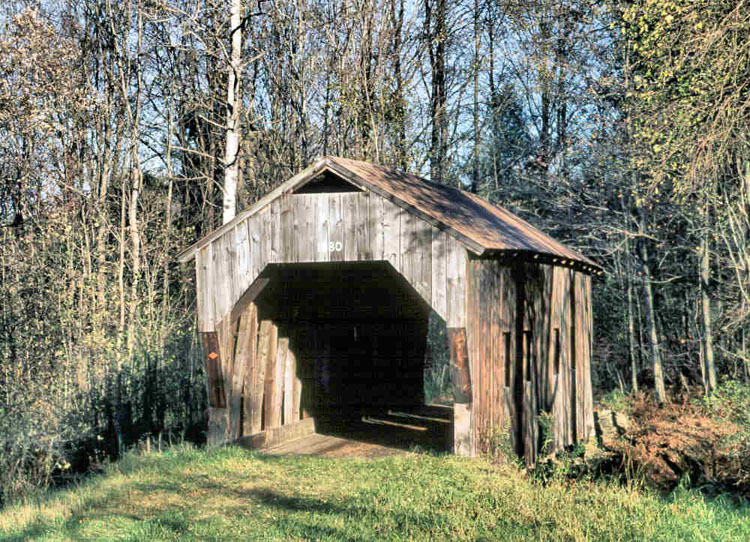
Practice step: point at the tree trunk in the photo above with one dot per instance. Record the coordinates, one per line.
(707, 343)
(631, 334)
(436, 33)
(653, 336)
(475, 172)
(234, 102)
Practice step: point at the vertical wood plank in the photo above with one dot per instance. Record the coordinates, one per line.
(507, 345)
(213, 370)
(438, 279)
(288, 234)
(276, 234)
(409, 250)
(226, 334)
(254, 235)
(275, 378)
(241, 363)
(220, 286)
(336, 228)
(587, 357)
(456, 279)
(204, 293)
(495, 336)
(290, 387)
(232, 267)
(375, 221)
(350, 217)
(242, 248)
(363, 250)
(267, 329)
(391, 227)
(249, 350)
(559, 366)
(305, 220)
(423, 256)
(322, 228)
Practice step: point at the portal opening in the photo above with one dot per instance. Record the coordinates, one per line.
(368, 352)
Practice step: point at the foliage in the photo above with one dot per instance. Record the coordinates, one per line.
(229, 493)
(618, 128)
(616, 400)
(438, 380)
(664, 445)
(496, 445)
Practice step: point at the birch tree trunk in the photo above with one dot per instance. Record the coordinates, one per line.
(234, 103)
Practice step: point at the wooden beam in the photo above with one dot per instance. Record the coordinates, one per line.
(248, 350)
(252, 292)
(273, 436)
(271, 416)
(264, 345)
(276, 398)
(290, 387)
(460, 365)
(212, 367)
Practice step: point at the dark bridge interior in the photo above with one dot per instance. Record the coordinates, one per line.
(359, 334)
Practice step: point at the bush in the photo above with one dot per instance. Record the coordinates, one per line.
(703, 443)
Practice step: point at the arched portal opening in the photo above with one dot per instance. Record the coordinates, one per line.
(363, 342)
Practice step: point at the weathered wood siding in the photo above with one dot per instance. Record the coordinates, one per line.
(529, 333)
(527, 325)
(351, 226)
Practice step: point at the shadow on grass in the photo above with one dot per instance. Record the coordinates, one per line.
(210, 508)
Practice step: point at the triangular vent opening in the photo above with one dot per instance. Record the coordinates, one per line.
(326, 183)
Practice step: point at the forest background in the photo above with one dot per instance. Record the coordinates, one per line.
(619, 127)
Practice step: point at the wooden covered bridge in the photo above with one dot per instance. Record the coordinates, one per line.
(314, 306)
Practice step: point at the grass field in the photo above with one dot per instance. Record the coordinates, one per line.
(232, 494)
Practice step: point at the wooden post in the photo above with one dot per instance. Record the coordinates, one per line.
(217, 411)
(256, 398)
(270, 415)
(463, 443)
(291, 388)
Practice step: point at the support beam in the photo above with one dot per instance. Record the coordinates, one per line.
(463, 438)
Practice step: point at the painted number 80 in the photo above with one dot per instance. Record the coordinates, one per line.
(335, 246)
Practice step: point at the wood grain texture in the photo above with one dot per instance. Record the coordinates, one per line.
(275, 399)
(259, 381)
(212, 368)
(329, 228)
(529, 331)
(271, 414)
(249, 350)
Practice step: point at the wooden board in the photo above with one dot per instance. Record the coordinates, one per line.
(330, 228)
(264, 351)
(248, 348)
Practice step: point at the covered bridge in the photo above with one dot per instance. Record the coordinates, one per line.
(314, 305)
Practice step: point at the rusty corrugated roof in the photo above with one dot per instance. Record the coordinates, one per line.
(489, 226)
(480, 225)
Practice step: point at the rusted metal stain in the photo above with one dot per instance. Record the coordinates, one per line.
(460, 365)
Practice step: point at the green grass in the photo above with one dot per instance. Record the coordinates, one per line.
(232, 494)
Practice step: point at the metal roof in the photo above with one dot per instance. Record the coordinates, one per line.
(482, 227)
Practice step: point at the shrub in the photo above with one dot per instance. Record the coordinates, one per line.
(666, 444)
